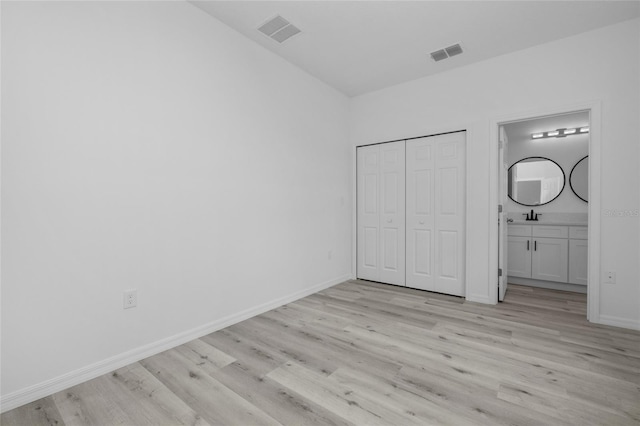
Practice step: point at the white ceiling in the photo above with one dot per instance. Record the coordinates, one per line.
(522, 130)
(362, 46)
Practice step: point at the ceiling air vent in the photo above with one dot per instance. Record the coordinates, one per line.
(279, 29)
(439, 55)
(453, 50)
(447, 52)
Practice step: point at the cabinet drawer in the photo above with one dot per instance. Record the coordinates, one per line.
(519, 230)
(578, 232)
(551, 231)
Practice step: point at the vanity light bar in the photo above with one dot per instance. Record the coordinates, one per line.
(560, 133)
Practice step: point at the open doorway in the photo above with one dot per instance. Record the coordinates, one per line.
(543, 193)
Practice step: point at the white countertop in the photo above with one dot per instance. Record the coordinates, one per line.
(540, 222)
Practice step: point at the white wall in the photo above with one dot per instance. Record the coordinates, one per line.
(566, 152)
(601, 65)
(146, 145)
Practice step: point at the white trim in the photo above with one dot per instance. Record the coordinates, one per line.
(595, 159)
(480, 298)
(594, 210)
(552, 285)
(619, 322)
(469, 136)
(354, 213)
(46, 388)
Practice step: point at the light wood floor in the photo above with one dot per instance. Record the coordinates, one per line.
(364, 353)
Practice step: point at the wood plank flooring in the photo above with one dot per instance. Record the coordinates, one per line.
(362, 353)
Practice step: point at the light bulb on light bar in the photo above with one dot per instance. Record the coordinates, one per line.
(560, 133)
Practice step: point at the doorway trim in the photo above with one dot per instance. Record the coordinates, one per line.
(594, 208)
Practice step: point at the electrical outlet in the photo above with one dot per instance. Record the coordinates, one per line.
(130, 298)
(610, 277)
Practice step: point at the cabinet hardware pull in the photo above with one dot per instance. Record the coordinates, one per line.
(528, 241)
(535, 246)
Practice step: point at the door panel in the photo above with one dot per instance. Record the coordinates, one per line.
(448, 255)
(519, 257)
(392, 219)
(368, 217)
(380, 213)
(578, 261)
(448, 191)
(390, 249)
(422, 252)
(371, 193)
(503, 251)
(422, 192)
(435, 207)
(449, 219)
(550, 259)
(390, 191)
(420, 219)
(370, 247)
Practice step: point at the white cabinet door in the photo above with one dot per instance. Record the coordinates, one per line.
(550, 258)
(519, 257)
(381, 212)
(578, 261)
(436, 213)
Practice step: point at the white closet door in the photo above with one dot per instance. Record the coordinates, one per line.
(381, 209)
(436, 213)
(392, 209)
(368, 212)
(420, 218)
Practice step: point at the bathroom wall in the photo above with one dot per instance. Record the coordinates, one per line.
(566, 152)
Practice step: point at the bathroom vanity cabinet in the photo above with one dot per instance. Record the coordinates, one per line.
(548, 253)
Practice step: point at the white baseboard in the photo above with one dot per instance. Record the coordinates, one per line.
(618, 322)
(576, 288)
(46, 388)
(480, 299)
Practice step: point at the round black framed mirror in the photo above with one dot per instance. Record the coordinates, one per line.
(579, 179)
(535, 181)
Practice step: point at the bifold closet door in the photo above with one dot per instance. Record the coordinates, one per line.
(381, 212)
(435, 221)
